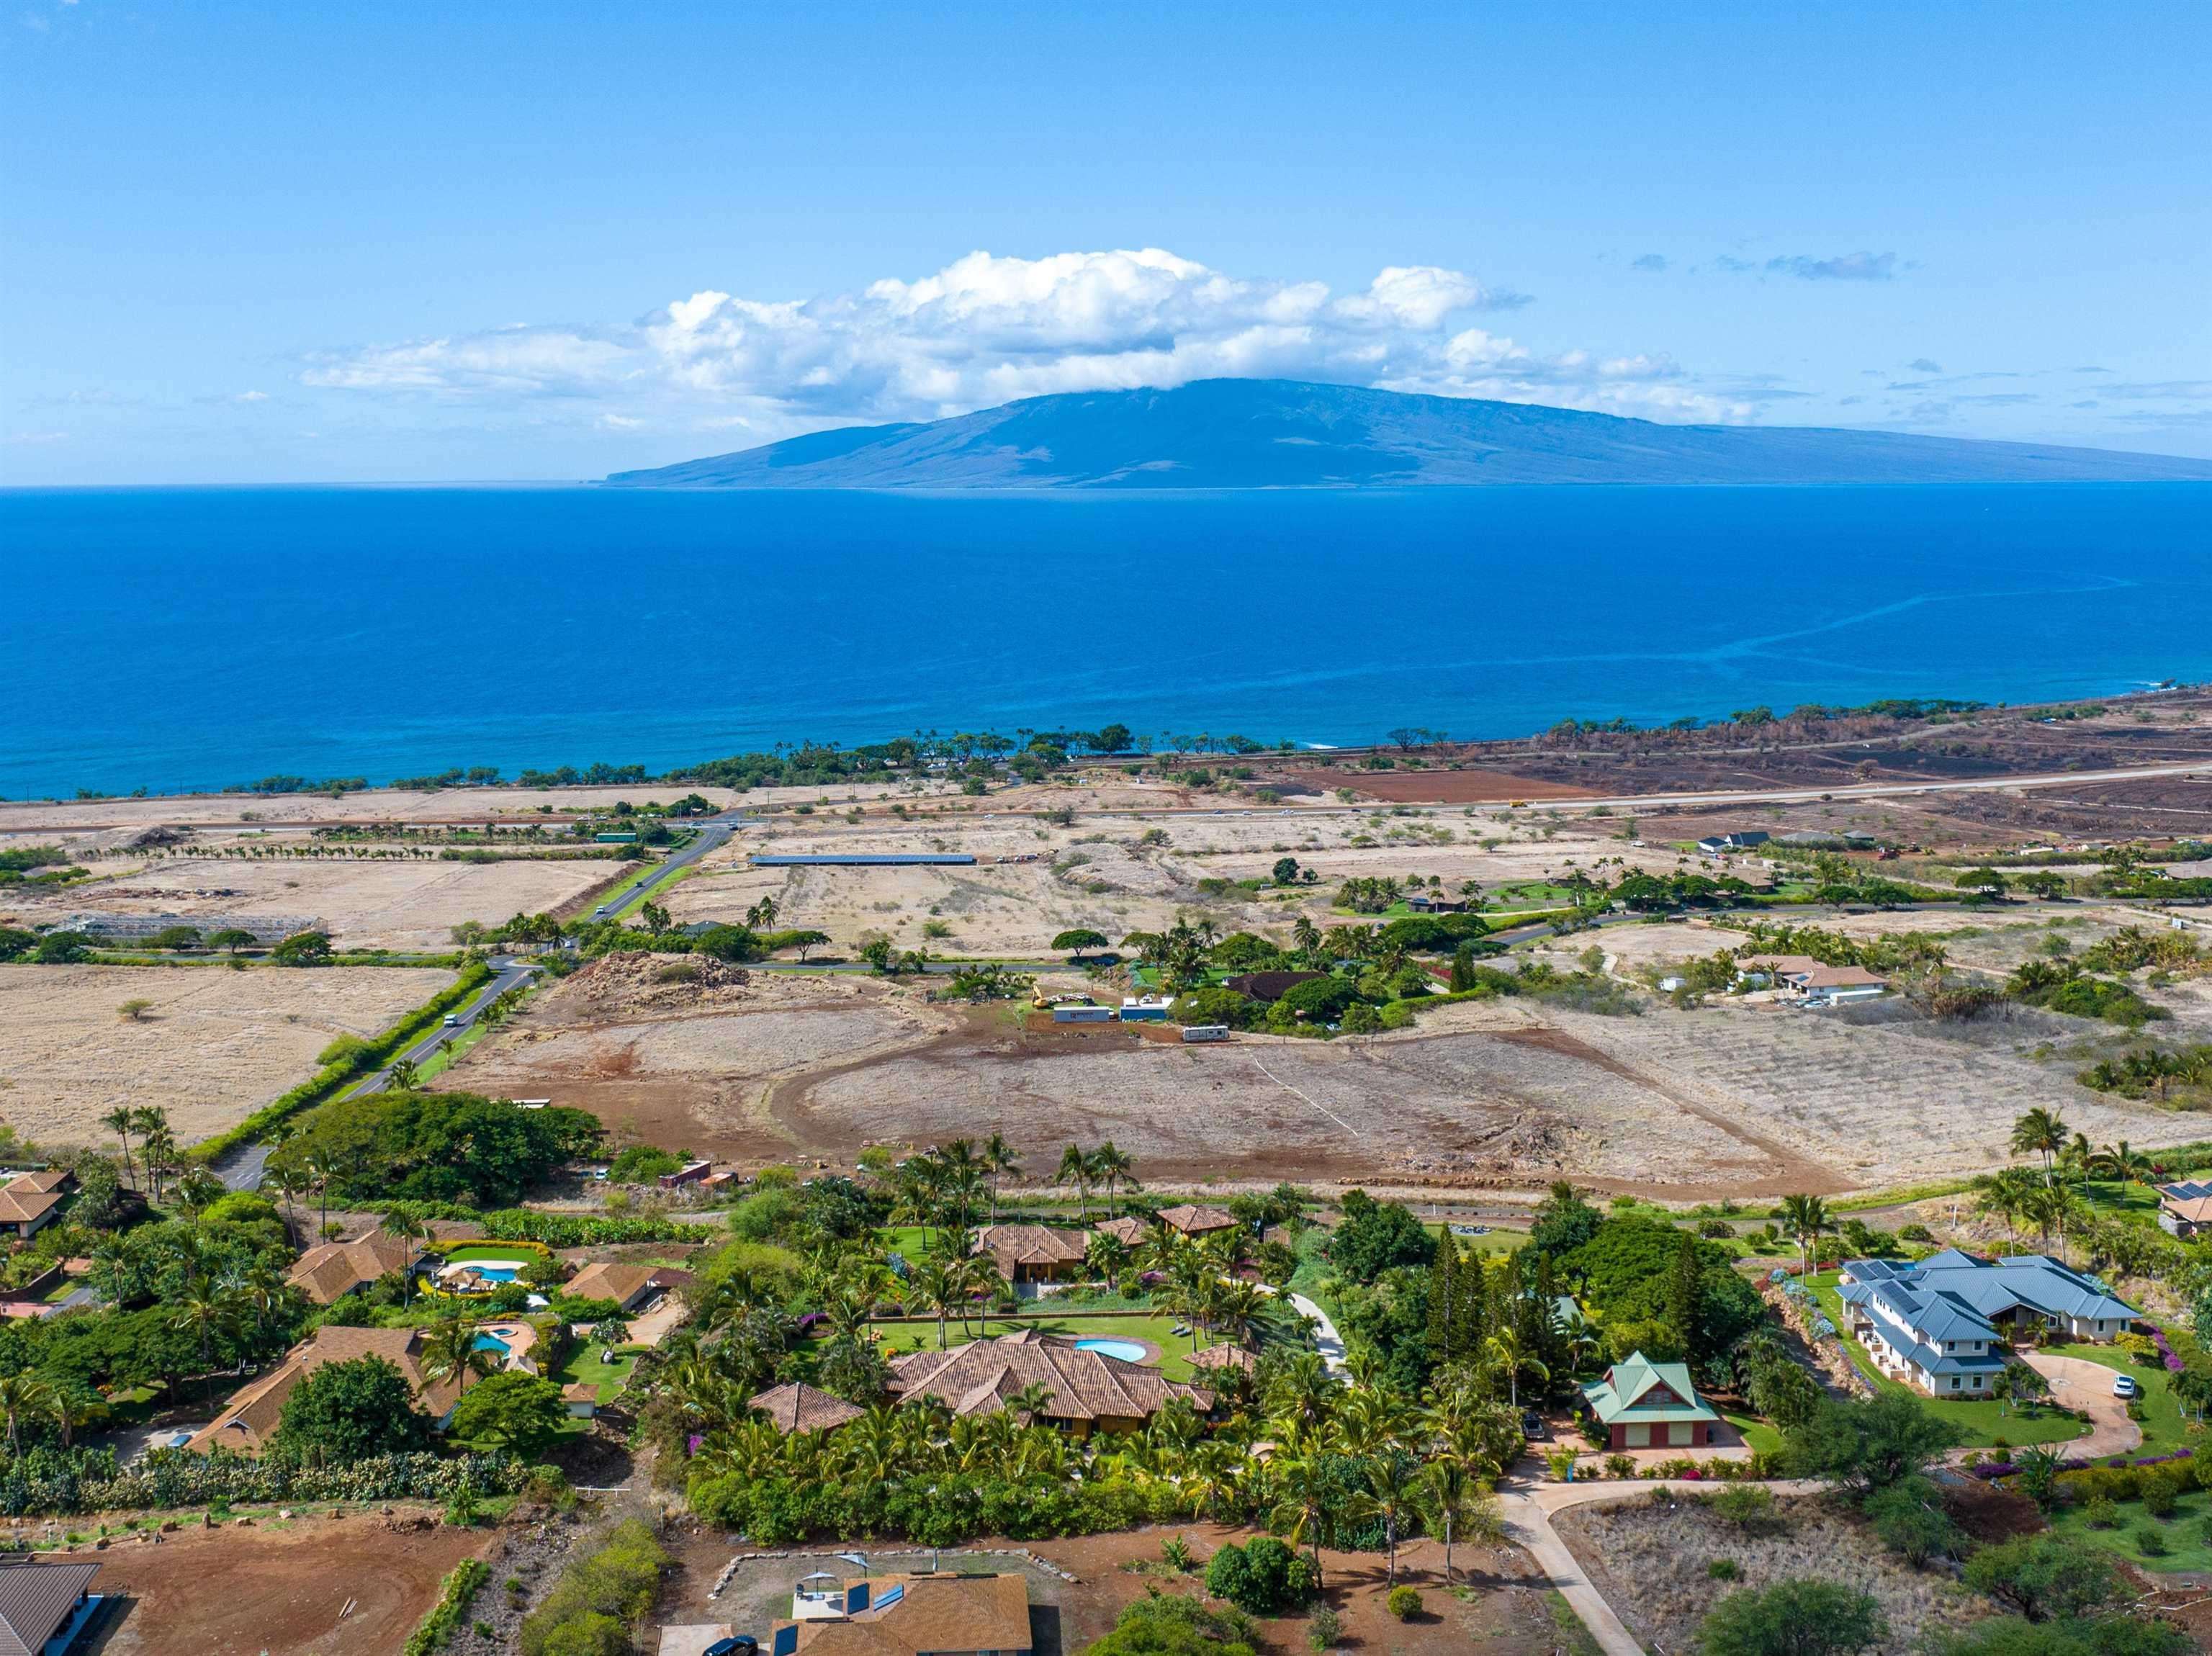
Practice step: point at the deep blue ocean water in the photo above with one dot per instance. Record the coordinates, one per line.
(187, 639)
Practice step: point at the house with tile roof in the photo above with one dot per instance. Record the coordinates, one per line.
(328, 1273)
(1129, 1231)
(628, 1286)
(1197, 1220)
(1087, 1391)
(29, 1201)
(801, 1408)
(249, 1420)
(1032, 1253)
(1814, 983)
(1644, 1405)
(1946, 1324)
(909, 1615)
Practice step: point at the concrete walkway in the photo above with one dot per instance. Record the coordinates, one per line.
(1326, 1338)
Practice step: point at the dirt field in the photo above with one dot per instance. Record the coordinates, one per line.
(1727, 1100)
(271, 1591)
(1503, 1609)
(1651, 1564)
(362, 904)
(215, 1045)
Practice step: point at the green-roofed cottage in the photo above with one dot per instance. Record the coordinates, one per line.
(1644, 1405)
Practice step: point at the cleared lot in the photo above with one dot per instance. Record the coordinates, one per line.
(214, 1047)
(363, 904)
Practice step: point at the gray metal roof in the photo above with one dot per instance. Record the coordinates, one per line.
(36, 1597)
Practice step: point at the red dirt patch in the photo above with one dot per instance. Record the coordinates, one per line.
(243, 1591)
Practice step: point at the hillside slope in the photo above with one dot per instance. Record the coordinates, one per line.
(1273, 433)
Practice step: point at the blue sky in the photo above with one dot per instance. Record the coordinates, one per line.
(280, 242)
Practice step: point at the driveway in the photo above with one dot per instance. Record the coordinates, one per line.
(2079, 1384)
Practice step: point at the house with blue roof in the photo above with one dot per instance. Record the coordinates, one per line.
(1946, 1324)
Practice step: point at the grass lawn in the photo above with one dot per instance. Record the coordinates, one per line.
(494, 1251)
(2162, 1423)
(1756, 1432)
(1980, 1422)
(2186, 1534)
(586, 1368)
(910, 1242)
(2122, 1199)
(1174, 1350)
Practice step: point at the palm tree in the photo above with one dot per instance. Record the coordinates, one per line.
(1805, 1217)
(406, 1227)
(935, 1283)
(206, 1307)
(322, 1167)
(262, 1288)
(121, 1120)
(290, 1182)
(1028, 1405)
(2121, 1161)
(1504, 1346)
(1305, 1479)
(1304, 1396)
(1391, 1490)
(999, 1158)
(2039, 1132)
(450, 1351)
(24, 1397)
(1113, 1166)
(403, 1075)
(1453, 1501)
(1075, 1169)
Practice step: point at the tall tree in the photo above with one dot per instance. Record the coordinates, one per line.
(2041, 1132)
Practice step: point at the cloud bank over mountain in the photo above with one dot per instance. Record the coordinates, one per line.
(988, 329)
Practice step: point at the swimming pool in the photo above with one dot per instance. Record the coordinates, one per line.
(493, 1342)
(1127, 1350)
(498, 1273)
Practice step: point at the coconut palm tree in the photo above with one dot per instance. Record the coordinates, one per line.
(2039, 1132)
(1113, 1165)
(1506, 1350)
(1805, 1217)
(24, 1397)
(121, 1120)
(401, 1076)
(936, 1284)
(1304, 1396)
(207, 1307)
(1456, 1502)
(1028, 1405)
(1075, 1169)
(404, 1227)
(1304, 1475)
(450, 1351)
(999, 1159)
(262, 1288)
(1390, 1492)
(2121, 1161)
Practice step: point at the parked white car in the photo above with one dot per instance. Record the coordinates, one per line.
(2124, 1386)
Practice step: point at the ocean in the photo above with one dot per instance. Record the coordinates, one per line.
(189, 639)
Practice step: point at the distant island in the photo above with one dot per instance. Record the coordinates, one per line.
(1280, 434)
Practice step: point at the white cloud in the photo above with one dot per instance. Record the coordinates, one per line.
(987, 329)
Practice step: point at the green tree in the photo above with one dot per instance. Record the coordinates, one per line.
(1793, 1618)
(1864, 1446)
(1078, 941)
(1286, 871)
(231, 940)
(2041, 1132)
(2044, 1576)
(450, 1351)
(350, 1410)
(1684, 1298)
(1986, 881)
(1805, 1217)
(303, 949)
(522, 1413)
(24, 1397)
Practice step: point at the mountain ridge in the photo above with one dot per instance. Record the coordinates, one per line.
(1276, 434)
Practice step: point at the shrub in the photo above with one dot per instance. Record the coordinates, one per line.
(1324, 1628)
(1793, 1618)
(2100, 1513)
(1263, 1578)
(640, 1164)
(1404, 1603)
(1746, 1506)
(1620, 1465)
(2151, 1541)
(2043, 1576)
(607, 1590)
(1724, 1569)
(444, 1616)
(1911, 1523)
(2158, 1496)
(1167, 1624)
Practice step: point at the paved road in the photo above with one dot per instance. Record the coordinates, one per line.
(714, 833)
(506, 975)
(1327, 1340)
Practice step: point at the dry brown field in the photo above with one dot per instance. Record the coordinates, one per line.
(215, 1045)
(1727, 1100)
(361, 903)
